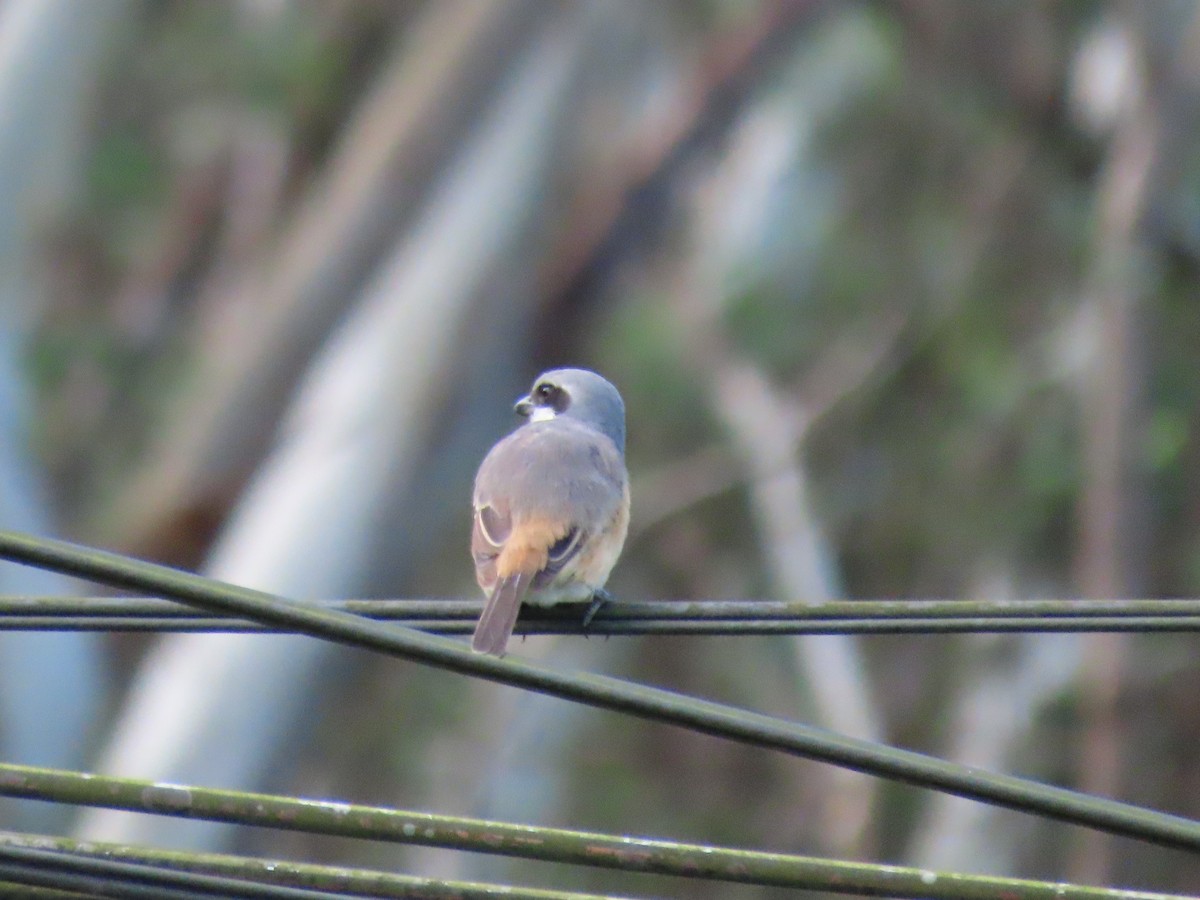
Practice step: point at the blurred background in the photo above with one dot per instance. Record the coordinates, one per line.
(902, 298)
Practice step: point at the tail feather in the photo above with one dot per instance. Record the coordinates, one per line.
(500, 614)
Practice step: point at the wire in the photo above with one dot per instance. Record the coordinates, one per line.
(606, 692)
(661, 617)
(342, 880)
(559, 845)
(121, 879)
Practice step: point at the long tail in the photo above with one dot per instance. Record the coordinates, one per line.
(500, 614)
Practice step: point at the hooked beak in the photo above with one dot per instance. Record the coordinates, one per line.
(523, 406)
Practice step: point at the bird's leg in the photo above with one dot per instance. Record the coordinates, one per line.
(599, 597)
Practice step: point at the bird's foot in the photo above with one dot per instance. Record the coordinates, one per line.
(599, 597)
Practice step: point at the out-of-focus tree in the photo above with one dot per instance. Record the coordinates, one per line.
(900, 298)
(52, 686)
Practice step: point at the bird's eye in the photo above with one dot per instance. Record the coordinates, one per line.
(544, 391)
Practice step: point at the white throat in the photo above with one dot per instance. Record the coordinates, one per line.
(542, 414)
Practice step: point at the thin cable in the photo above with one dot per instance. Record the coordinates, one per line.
(706, 716)
(714, 617)
(343, 881)
(121, 879)
(616, 628)
(610, 851)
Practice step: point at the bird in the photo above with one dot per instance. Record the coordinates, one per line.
(551, 503)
